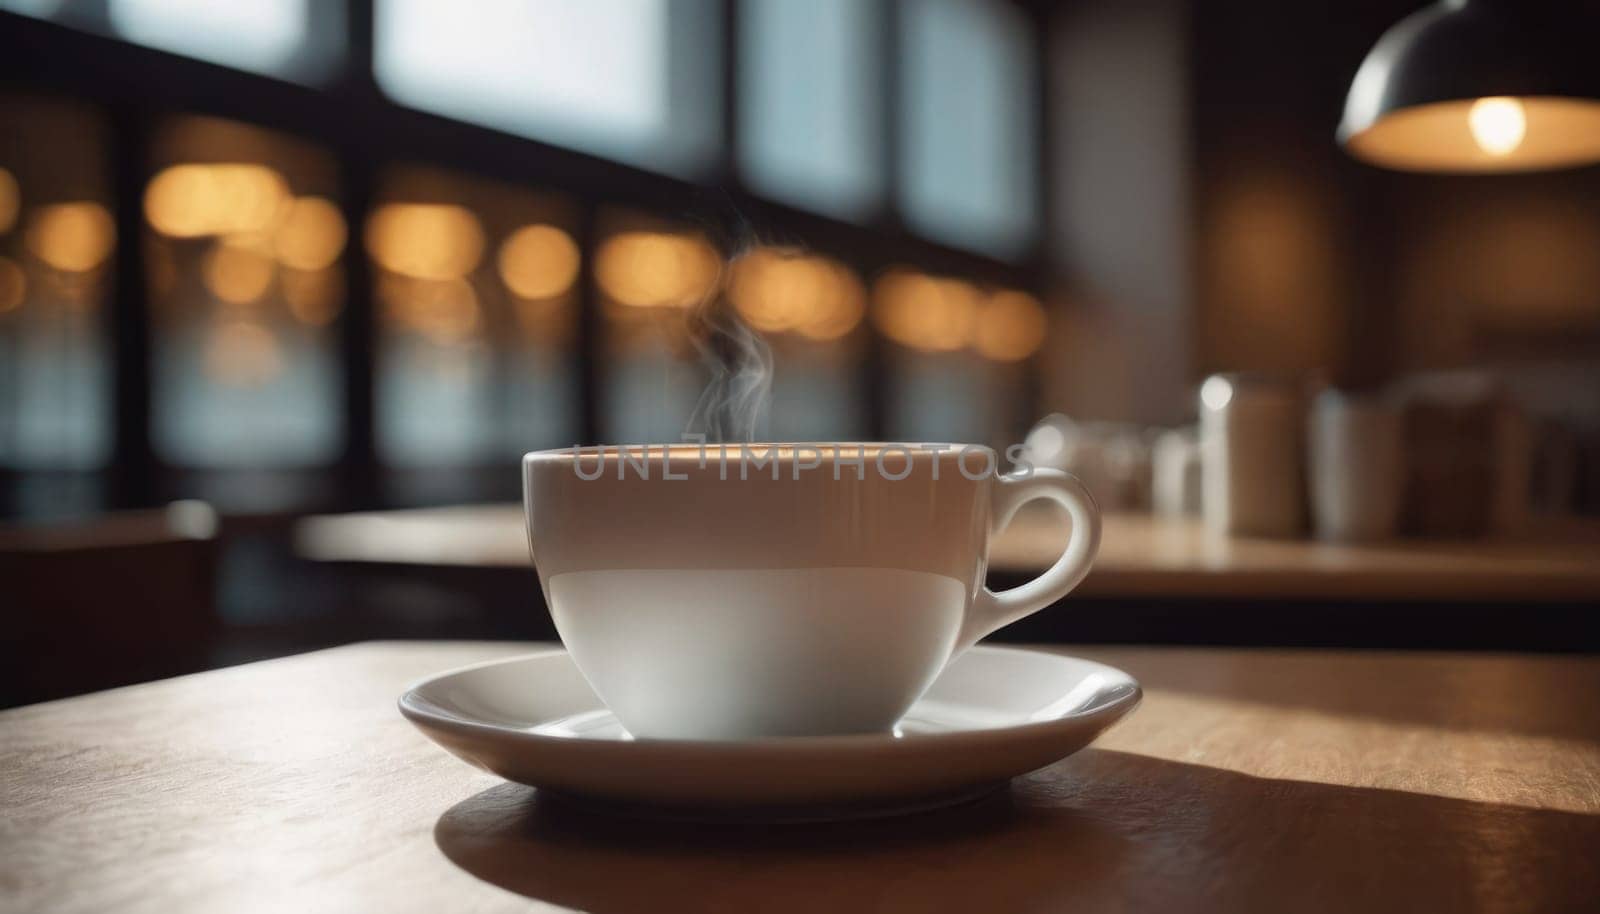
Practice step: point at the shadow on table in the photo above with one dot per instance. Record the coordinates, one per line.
(1103, 831)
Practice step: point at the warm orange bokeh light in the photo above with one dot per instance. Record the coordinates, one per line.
(776, 291)
(844, 306)
(924, 313)
(444, 311)
(72, 237)
(242, 353)
(313, 298)
(539, 261)
(1011, 326)
(10, 201)
(193, 201)
(13, 285)
(437, 241)
(311, 235)
(657, 269)
(238, 271)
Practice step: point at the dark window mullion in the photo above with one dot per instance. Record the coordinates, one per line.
(359, 163)
(128, 326)
(876, 350)
(731, 178)
(1041, 270)
(891, 140)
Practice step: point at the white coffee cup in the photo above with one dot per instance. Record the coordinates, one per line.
(780, 590)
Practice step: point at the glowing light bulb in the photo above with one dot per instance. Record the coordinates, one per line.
(1498, 124)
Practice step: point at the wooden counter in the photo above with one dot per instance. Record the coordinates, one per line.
(1140, 557)
(1248, 781)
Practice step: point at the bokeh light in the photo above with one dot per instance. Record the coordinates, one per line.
(72, 237)
(1216, 393)
(436, 241)
(539, 261)
(777, 290)
(13, 285)
(194, 201)
(238, 270)
(311, 235)
(10, 201)
(657, 269)
(844, 308)
(925, 313)
(1011, 326)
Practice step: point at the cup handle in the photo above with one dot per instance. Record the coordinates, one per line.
(990, 610)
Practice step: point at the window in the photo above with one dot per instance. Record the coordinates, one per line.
(808, 309)
(633, 80)
(968, 120)
(244, 256)
(289, 39)
(816, 392)
(809, 108)
(942, 397)
(477, 299)
(653, 279)
(57, 247)
(953, 371)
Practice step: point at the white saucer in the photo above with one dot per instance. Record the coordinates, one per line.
(994, 713)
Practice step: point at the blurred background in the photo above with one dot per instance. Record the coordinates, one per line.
(270, 266)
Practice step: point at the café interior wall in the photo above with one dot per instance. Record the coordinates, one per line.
(1207, 221)
(1293, 238)
(1490, 264)
(1504, 275)
(1422, 274)
(1497, 274)
(1120, 346)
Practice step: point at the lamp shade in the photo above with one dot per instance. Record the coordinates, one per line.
(1480, 86)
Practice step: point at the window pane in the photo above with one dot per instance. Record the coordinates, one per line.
(477, 289)
(42, 9)
(940, 397)
(291, 39)
(809, 105)
(634, 80)
(808, 309)
(651, 391)
(816, 392)
(955, 364)
(57, 246)
(244, 251)
(653, 277)
(968, 119)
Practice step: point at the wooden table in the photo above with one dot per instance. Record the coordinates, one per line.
(1140, 557)
(1248, 781)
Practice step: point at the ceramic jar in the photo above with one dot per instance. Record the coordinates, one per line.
(1357, 466)
(1251, 456)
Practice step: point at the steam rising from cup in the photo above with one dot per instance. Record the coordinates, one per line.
(740, 364)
